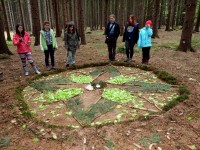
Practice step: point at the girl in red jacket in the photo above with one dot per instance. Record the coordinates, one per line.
(22, 40)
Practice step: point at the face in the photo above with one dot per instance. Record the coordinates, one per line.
(47, 26)
(130, 19)
(20, 28)
(112, 19)
(71, 28)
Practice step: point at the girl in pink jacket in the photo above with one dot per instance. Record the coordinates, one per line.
(22, 40)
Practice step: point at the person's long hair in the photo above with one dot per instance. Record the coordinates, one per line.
(133, 20)
(17, 31)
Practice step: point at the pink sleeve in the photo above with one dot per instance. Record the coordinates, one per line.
(28, 38)
(15, 40)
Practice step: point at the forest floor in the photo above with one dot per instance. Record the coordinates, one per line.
(177, 129)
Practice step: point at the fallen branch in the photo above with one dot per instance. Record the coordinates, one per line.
(151, 102)
(97, 76)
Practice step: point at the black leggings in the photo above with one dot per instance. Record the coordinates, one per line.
(145, 53)
(129, 49)
(50, 52)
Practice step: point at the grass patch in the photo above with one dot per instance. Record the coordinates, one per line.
(169, 45)
(195, 43)
(110, 144)
(43, 86)
(60, 80)
(146, 141)
(4, 141)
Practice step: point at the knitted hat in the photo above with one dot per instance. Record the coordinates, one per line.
(149, 22)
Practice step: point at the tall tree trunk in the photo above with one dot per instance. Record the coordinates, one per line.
(198, 21)
(170, 15)
(21, 13)
(64, 2)
(4, 48)
(106, 13)
(100, 14)
(162, 13)
(155, 18)
(186, 37)
(36, 21)
(81, 22)
(58, 30)
(178, 13)
(75, 14)
(121, 17)
(70, 10)
(6, 21)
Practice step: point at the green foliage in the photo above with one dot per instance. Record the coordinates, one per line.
(163, 75)
(63, 94)
(172, 103)
(183, 89)
(149, 87)
(60, 80)
(43, 86)
(117, 95)
(4, 142)
(112, 70)
(96, 72)
(154, 138)
(110, 144)
(81, 78)
(120, 79)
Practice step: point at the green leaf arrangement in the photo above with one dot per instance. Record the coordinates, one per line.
(81, 78)
(120, 79)
(63, 94)
(117, 95)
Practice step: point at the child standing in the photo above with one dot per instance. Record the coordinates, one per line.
(112, 32)
(71, 44)
(22, 40)
(48, 44)
(130, 37)
(144, 41)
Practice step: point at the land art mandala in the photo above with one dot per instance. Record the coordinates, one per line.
(97, 96)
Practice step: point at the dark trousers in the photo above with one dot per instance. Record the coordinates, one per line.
(129, 48)
(50, 52)
(112, 43)
(145, 54)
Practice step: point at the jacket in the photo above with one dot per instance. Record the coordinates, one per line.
(22, 47)
(43, 43)
(71, 40)
(145, 37)
(131, 33)
(116, 30)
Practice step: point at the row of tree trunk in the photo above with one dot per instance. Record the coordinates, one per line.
(171, 13)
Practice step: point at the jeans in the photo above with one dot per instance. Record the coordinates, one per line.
(50, 52)
(71, 57)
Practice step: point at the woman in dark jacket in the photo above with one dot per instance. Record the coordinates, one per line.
(131, 35)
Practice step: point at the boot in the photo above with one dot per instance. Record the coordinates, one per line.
(36, 70)
(26, 73)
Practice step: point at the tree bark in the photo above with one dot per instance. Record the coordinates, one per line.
(100, 14)
(64, 12)
(36, 21)
(6, 21)
(4, 48)
(122, 17)
(198, 21)
(81, 22)
(170, 15)
(21, 13)
(186, 37)
(155, 18)
(58, 30)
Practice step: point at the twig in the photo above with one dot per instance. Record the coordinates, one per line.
(78, 121)
(151, 102)
(152, 110)
(98, 76)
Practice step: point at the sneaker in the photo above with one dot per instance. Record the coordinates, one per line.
(48, 68)
(127, 60)
(53, 67)
(67, 65)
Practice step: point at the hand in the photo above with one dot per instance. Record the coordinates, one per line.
(21, 40)
(28, 43)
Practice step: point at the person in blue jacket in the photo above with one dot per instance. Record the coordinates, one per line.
(130, 37)
(144, 41)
